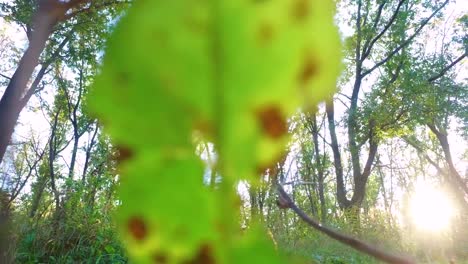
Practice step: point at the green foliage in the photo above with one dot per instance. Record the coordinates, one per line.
(230, 71)
(83, 238)
(298, 240)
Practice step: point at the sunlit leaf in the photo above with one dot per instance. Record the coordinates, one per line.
(234, 71)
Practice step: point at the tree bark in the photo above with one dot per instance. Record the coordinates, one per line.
(15, 97)
(455, 178)
(47, 16)
(320, 169)
(37, 196)
(343, 201)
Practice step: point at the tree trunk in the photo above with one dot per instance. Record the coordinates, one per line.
(5, 233)
(343, 201)
(11, 102)
(76, 140)
(457, 183)
(323, 205)
(37, 196)
(320, 170)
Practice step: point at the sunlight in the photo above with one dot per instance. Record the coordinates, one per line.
(430, 208)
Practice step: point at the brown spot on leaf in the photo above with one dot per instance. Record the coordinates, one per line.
(308, 70)
(168, 81)
(123, 153)
(160, 258)
(137, 228)
(196, 25)
(262, 169)
(265, 34)
(220, 228)
(300, 10)
(122, 79)
(204, 256)
(160, 37)
(272, 121)
(203, 126)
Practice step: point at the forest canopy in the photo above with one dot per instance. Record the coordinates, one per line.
(233, 131)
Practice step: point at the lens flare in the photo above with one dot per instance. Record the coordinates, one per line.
(430, 208)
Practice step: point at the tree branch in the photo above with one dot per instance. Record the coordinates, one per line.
(299, 183)
(33, 88)
(74, 3)
(379, 14)
(425, 155)
(4, 76)
(447, 68)
(406, 42)
(286, 202)
(368, 45)
(95, 7)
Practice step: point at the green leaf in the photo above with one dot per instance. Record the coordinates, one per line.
(232, 71)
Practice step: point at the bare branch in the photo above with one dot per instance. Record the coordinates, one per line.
(447, 68)
(379, 14)
(425, 155)
(359, 38)
(299, 183)
(286, 202)
(4, 76)
(369, 44)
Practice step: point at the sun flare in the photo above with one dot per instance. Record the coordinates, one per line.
(430, 208)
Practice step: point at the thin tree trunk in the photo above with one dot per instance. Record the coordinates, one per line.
(343, 201)
(457, 183)
(90, 146)
(37, 197)
(52, 156)
(320, 170)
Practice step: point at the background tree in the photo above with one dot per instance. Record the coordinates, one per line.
(49, 26)
(355, 162)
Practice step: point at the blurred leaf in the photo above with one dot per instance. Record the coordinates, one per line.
(231, 71)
